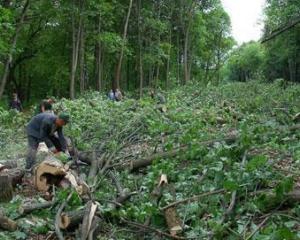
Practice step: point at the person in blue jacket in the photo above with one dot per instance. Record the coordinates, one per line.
(43, 128)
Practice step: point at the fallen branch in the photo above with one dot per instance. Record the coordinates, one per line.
(57, 218)
(158, 232)
(28, 208)
(258, 227)
(137, 164)
(194, 198)
(89, 214)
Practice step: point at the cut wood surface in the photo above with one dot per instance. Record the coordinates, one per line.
(51, 171)
(71, 219)
(48, 172)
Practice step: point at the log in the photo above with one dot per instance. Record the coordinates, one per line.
(47, 173)
(6, 223)
(173, 222)
(28, 208)
(6, 193)
(52, 172)
(71, 219)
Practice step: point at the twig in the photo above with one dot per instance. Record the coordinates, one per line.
(158, 232)
(259, 227)
(57, 218)
(194, 198)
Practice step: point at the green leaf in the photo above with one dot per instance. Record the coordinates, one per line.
(284, 187)
(231, 185)
(256, 163)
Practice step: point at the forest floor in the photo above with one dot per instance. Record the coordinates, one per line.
(227, 158)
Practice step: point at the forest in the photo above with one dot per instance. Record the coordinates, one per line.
(164, 125)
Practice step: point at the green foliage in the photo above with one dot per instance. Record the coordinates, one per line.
(245, 63)
(131, 130)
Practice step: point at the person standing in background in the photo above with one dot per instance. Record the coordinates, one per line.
(15, 103)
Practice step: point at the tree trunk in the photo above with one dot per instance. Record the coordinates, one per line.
(13, 46)
(168, 60)
(292, 70)
(75, 51)
(185, 57)
(178, 60)
(98, 58)
(82, 58)
(116, 82)
(141, 73)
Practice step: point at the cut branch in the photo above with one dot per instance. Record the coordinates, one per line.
(158, 232)
(28, 208)
(194, 198)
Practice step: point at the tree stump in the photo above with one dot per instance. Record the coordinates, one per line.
(71, 219)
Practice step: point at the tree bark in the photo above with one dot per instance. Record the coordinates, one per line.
(6, 193)
(98, 57)
(13, 46)
(28, 208)
(141, 73)
(116, 82)
(82, 58)
(75, 50)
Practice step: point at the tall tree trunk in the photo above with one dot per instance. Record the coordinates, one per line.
(178, 59)
(12, 49)
(141, 73)
(98, 58)
(82, 58)
(75, 51)
(186, 57)
(292, 69)
(116, 82)
(168, 60)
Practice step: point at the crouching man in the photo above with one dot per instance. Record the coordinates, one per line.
(43, 128)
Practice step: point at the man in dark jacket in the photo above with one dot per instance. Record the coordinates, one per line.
(42, 128)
